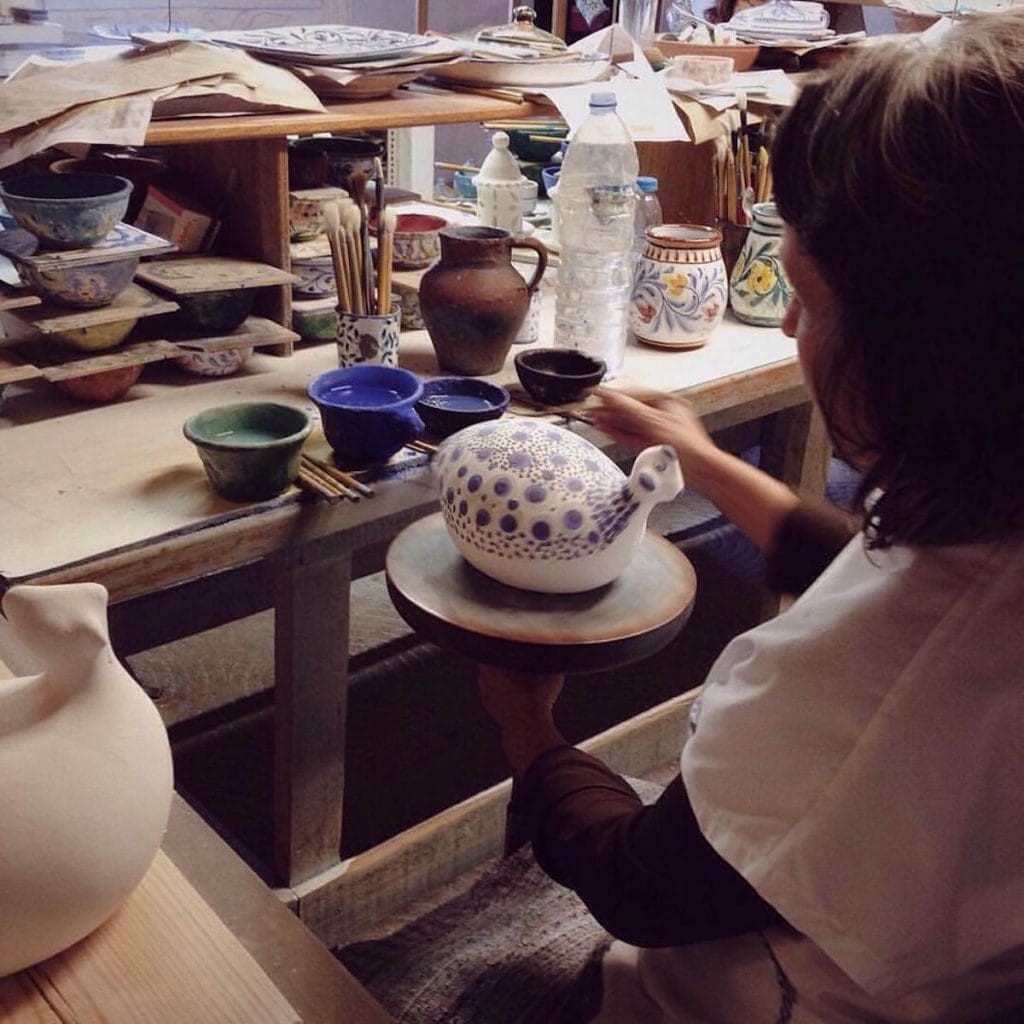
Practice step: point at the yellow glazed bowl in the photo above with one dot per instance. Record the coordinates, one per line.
(96, 337)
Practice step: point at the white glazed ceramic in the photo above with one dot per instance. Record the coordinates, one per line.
(681, 290)
(759, 290)
(85, 776)
(369, 338)
(499, 188)
(538, 507)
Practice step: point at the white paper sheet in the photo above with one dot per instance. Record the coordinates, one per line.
(643, 103)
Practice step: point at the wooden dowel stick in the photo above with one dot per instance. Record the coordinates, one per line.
(308, 482)
(340, 475)
(328, 482)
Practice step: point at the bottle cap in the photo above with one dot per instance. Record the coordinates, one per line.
(499, 164)
(646, 183)
(603, 99)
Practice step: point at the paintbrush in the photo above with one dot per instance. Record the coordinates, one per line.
(332, 220)
(357, 186)
(385, 257)
(350, 221)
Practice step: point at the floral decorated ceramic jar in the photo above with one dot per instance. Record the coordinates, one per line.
(758, 289)
(681, 292)
(538, 507)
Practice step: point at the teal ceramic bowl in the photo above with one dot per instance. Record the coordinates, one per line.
(250, 450)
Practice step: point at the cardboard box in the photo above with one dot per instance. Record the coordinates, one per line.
(179, 219)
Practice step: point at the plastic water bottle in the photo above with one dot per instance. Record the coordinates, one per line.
(648, 211)
(595, 209)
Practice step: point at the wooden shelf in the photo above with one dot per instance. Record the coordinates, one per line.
(405, 110)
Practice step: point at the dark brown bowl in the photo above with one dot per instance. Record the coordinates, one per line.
(554, 376)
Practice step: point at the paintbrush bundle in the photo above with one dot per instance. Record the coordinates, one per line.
(364, 285)
(742, 169)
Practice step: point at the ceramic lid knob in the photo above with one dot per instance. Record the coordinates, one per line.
(500, 164)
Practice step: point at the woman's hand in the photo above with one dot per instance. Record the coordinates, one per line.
(641, 418)
(521, 705)
(756, 502)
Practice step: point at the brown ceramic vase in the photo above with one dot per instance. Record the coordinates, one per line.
(474, 301)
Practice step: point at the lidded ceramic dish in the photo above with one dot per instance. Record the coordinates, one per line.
(538, 507)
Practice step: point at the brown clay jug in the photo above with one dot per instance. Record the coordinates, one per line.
(474, 301)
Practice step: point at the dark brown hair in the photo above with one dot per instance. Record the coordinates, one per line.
(902, 174)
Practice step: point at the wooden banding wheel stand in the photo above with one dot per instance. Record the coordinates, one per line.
(459, 608)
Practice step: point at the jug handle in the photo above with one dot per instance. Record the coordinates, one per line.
(410, 419)
(524, 242)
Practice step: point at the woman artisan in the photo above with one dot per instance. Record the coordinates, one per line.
(844, 840)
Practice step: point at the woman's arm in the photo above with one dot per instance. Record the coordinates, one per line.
(752, 499)
(646, 873)
(799, 537)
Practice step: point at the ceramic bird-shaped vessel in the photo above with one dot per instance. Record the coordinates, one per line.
(538, 507)
(85, 776)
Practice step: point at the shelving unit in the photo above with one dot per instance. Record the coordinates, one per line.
(255, 147)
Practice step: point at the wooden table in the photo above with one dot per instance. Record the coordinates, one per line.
(315, 984)
(200, 938)
(116, 494)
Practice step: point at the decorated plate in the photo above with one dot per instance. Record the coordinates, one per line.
(524, 73)
(323, 44)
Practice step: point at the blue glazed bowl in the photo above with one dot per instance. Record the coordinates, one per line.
(451, 403)
(367, 411)
(67, 211)
(462, 182)
(549, 177)
(250, 450)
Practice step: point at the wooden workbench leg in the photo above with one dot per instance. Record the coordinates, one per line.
(311, 603)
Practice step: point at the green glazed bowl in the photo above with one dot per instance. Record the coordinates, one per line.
(250, 450)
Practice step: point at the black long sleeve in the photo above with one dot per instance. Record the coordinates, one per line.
(646, 873)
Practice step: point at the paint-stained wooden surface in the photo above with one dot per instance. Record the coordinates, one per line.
(149, 508)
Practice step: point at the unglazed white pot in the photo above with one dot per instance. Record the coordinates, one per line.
(538, 507)
(85, 776)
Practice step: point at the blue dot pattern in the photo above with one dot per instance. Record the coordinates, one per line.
(530, 490)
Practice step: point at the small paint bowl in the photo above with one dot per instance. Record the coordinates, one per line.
(451, 403)
(549, 177)
(250, 450)
(216, 311)
(554, 376)
(416, 242)
(102, 387)
(67, 211)
(81, 285)
(95, 337)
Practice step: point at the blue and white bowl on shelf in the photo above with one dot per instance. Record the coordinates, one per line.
(681, 288)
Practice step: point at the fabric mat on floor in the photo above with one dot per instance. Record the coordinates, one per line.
(515, 948)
